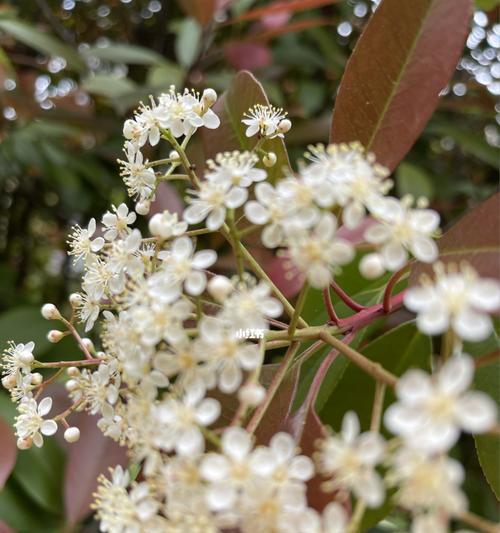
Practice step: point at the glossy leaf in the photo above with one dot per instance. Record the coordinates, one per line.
(87, 458)
(108, 85)
(412, 179)
(474, 238)
(43, 42)
(244, 92)
(201, 10)
(8, 451)
(187, 44)
(125, 53)
(404, 58)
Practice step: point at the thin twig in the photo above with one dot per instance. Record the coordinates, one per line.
(387, 299)
(479, 523)
(346, 298)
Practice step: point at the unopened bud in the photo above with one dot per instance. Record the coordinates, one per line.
(72, 434)
(71, 385)
(9, 382)
(24, 444)
(36, 378)
(284, 126)
(72, 371)
(50, 312)
(88, 344)
(75, 300)
(269, 159)
(220, 287)
(142, 207)
(371, 266)
(26, 357)
(209, 97)
(252, 394)
(54, 335)
(174, 156)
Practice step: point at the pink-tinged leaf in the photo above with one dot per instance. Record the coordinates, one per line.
(166, 198)
(246, 55)
(8, 451)
(275, 20)
(404, 58)
(4, 528)
(285, 275)
(474, 238)
(201, 10)
(356, 236)
(290, 6)
(91, 456)
(243, 93)
(293, 27)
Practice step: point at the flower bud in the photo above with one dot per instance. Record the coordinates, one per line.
(143, 207)
(36, 378)
(50, 312)
(9, 382)
(72, 434)
(26, 357)
(209, 97)
(269, 159)
(71, 385)
(75, 299)
(252, 394)
(371, 266)
(88, 344)
(220, 287)
(72, 371)
(54, 335)
(24, 444)
(284, 126)
(174, 156)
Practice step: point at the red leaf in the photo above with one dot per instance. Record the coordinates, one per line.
(285, 275)
(201, 10)
(166, 198)
(474, 238)
(8, 451)
(404, 58)
(92, 455)
(244, 92)
(4, 528)
(290, 6)
(245, 55)
(299, 25)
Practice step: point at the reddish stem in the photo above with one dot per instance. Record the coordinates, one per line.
(387, 301)
(329, 307)
(346, 298)
(62, 364)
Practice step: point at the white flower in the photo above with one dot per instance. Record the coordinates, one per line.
(89, 306)
(456, 299)
(248, 306)
(124, 255)
(431, 410)
(81, 244)
(334, 519)
(137, 176)
(180, 419)
(117, 223)
(350, 459)
(423, 523)
(265, 120)
(235, 168)
(227, 354)
(269, 209)
(18, 358)
(166, 225)
(427, 483)
(186, 266)
(211, 202)
(30, 424)
(302, 197)
(401, 229)
(317, 253)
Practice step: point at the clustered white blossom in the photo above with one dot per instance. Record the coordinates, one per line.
(170, 348)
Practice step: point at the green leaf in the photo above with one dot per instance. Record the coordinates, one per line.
(406, 54)
(165, 75)
(108, 85)
(24, 324)
(39, 471)
(412, 179)
(244, 92)
(43, 42)
(487, 5)
(469, 142)
(125, 53)
(187, 44)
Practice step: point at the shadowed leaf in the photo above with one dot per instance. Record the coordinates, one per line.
(8, 451)
(201, 10)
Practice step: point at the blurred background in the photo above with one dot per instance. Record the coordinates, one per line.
(71, 71)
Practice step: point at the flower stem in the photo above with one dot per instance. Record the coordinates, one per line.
(374, 369)
(387, 299)
(378, 405)
(346, 298)
(298, 309)
(478, 523)
(235, 239)
(64, 364)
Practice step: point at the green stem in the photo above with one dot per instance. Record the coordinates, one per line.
(235, 239)
(298, 309)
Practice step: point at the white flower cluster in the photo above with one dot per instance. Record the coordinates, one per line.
(172, 348)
